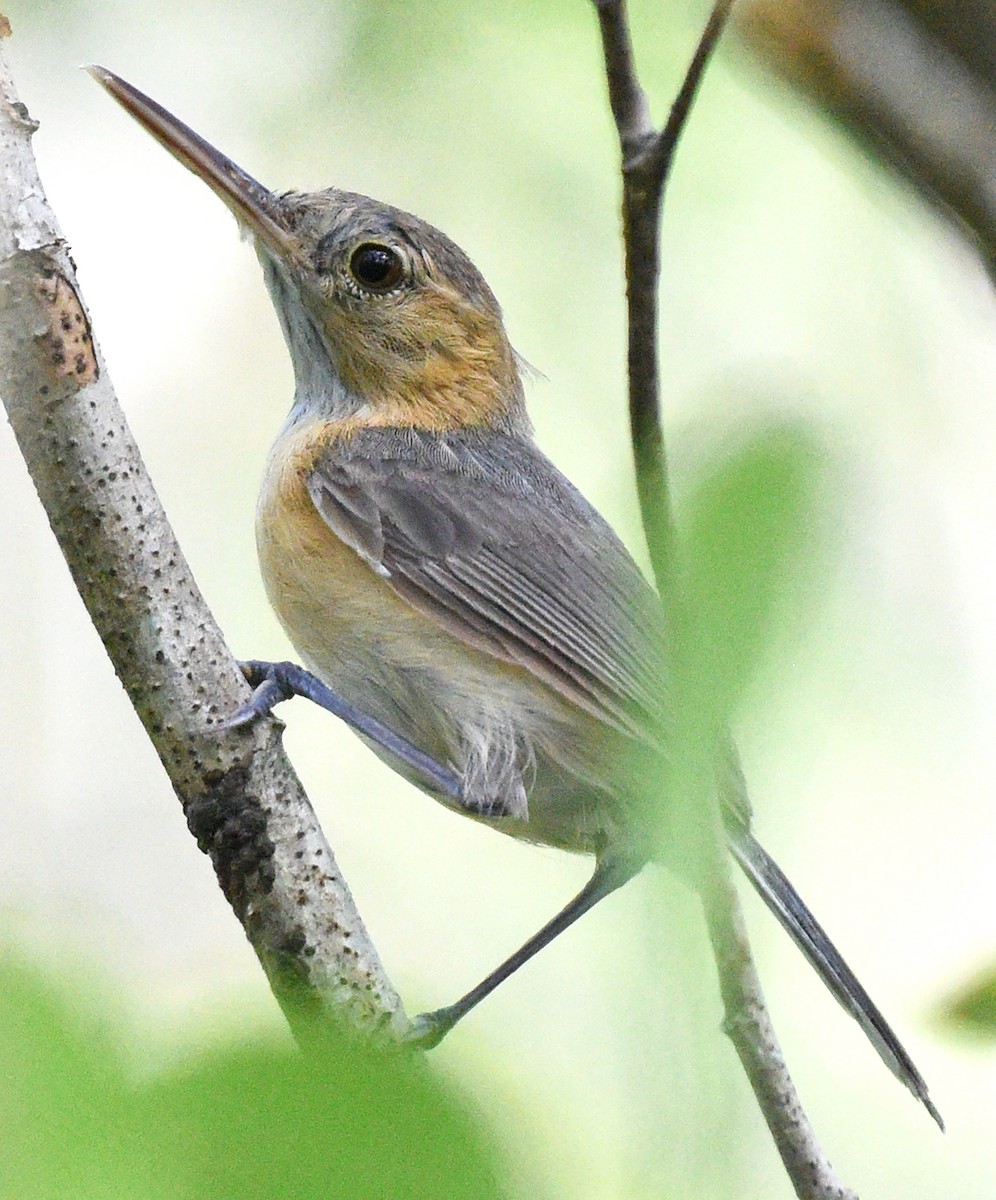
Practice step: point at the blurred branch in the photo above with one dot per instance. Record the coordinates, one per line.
(239, 793)
(647, 155)
(911, 80)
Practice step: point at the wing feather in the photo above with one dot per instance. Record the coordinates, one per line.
(483, 534)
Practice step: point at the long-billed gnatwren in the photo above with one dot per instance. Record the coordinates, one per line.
(474, 617)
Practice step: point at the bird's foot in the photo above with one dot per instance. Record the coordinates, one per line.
(273, 683)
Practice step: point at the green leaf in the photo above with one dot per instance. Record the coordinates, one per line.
(748, 529)
(745, 535)
(345, 1120)
(973, 1009)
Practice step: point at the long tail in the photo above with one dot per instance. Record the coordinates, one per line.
(807, 933)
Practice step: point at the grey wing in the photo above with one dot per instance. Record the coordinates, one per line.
(487, 537)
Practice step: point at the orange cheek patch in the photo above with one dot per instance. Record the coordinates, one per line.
(431, 362)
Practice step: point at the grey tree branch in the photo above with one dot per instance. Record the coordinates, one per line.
(240, 795)
(912, 81)
(647, 156)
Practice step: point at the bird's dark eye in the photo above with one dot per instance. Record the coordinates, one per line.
(376, 267)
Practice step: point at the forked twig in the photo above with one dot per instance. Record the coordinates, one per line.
(647, 156)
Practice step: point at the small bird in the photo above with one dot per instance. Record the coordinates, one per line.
(450, 592)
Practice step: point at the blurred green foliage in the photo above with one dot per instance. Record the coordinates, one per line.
(744, 530)
(747, 525)
(972, 1009)
(347, 1120)
(746, 544)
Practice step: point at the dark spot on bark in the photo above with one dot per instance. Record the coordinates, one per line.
(294, 943)
(230, 827)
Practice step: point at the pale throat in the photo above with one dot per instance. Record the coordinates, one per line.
(320, 393)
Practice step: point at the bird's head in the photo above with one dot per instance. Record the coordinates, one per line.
(385, 317)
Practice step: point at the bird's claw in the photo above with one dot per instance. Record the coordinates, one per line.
(428, 1029)
(270, 688)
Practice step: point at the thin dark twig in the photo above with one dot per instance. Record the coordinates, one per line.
(647, 157)
(646, 160)
(662, 152)
(626, 97)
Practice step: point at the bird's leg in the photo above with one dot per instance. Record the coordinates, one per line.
(275, 682)
(430, 1028)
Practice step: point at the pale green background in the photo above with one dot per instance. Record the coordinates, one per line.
(797, 283)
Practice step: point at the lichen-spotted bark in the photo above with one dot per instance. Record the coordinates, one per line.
(68, 342)
(241, 796)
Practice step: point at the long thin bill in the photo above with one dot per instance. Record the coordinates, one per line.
(253, 205)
